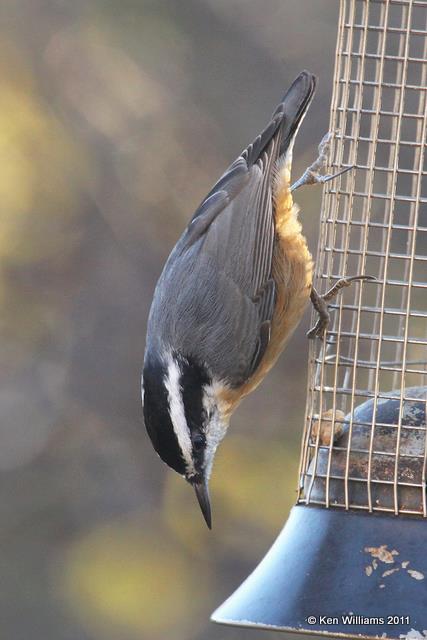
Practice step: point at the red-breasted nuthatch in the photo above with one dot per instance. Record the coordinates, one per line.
(230, 295)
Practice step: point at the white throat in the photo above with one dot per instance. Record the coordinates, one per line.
(217, 425)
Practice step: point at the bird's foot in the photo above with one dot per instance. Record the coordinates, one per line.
(320, 303)
(316, 172)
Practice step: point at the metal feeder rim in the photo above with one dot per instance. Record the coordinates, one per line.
(331, 562)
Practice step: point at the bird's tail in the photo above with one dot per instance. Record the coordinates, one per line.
(293, 107)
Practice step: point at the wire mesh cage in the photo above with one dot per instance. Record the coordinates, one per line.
(363, 461)
(363, 449)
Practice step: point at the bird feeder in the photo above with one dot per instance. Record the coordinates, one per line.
(351, 560)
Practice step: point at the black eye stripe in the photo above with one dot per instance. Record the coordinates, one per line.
(198, 441)
(193, 379)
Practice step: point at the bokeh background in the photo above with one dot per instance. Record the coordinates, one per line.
(116, 117)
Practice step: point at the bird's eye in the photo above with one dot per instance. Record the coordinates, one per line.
(198, 441)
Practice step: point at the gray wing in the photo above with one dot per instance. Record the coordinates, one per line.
(215, 298)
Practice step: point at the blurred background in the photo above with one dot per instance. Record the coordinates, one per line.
(116, 117)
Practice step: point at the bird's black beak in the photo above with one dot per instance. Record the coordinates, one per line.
(202, 493)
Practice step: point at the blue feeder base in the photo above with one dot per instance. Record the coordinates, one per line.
(340, 574)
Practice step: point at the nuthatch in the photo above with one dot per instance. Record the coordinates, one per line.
(230, 295)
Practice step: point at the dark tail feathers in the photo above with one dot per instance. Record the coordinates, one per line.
(294, 105)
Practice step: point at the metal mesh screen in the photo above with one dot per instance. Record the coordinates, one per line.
(365, 440)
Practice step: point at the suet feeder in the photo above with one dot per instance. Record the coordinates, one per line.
(351, 560)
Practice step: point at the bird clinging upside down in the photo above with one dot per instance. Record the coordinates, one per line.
(230, 295)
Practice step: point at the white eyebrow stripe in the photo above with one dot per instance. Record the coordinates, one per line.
(177, 412)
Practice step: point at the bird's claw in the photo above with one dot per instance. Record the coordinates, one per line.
(316, 172)
(318, 331)
(320, 303)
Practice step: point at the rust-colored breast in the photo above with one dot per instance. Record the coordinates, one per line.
(292, 272)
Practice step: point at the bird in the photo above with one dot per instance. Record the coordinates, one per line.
(231, 294)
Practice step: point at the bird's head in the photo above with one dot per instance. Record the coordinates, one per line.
(183, 417)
